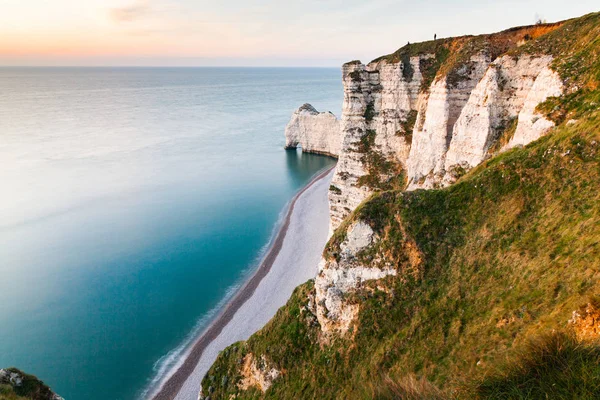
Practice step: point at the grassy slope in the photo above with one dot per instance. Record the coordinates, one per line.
(507, 254)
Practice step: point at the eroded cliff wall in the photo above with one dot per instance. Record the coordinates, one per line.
(419, 119)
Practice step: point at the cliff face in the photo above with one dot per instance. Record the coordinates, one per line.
(378, 101)
(420, 119)
(501, 112)
(423, 116)
(437, 109)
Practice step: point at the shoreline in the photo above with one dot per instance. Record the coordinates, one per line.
(170, 388)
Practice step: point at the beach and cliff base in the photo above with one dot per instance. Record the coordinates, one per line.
(291, 260)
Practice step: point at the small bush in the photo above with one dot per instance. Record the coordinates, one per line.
(335, 189)
(369, 112)
(355, 76)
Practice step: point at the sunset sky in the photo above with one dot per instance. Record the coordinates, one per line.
(247, 32)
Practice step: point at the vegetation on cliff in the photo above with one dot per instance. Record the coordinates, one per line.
(17, 385)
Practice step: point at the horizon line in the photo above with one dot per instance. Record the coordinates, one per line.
(168, 66)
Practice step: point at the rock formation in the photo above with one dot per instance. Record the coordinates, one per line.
(339, 277)
(431, 110)
(315, 132)
(15, 384)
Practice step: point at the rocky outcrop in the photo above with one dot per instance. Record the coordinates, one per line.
(585, 322)
(393, 123)
(19, 385)
(257, 373)
(313, 131)
(432, 133)
(340, 277)
(532, 124)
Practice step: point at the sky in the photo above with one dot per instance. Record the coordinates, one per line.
(322, 33)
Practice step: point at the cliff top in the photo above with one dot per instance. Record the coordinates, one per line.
(495, 43)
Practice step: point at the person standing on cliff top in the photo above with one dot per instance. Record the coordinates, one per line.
(435, 36)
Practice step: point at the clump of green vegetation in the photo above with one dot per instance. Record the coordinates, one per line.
(407, 387)
(429, 66)
(335, 189)
(366, 142)
(408, 125)
(504, 134)
(356, 76)
(407, 69)
(383, 174)
(414, 50)
(369, 112)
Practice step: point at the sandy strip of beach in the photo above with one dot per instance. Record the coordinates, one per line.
(290, 261)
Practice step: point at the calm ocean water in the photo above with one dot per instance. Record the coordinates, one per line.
(133, 201)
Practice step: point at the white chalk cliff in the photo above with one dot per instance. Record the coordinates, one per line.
(313, 131)
(401, 119)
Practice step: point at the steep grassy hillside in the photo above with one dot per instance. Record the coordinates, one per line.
(497, 284)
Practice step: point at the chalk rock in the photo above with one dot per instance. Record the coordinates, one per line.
(313, 131)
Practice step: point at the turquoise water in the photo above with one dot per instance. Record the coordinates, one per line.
(133, 201)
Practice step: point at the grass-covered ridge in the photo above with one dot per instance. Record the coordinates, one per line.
(448, 57)
(508, 253)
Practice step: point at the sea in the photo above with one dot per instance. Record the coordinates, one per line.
(133, 203)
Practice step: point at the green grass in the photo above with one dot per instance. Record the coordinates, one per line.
(506, 243)
(554, 366)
